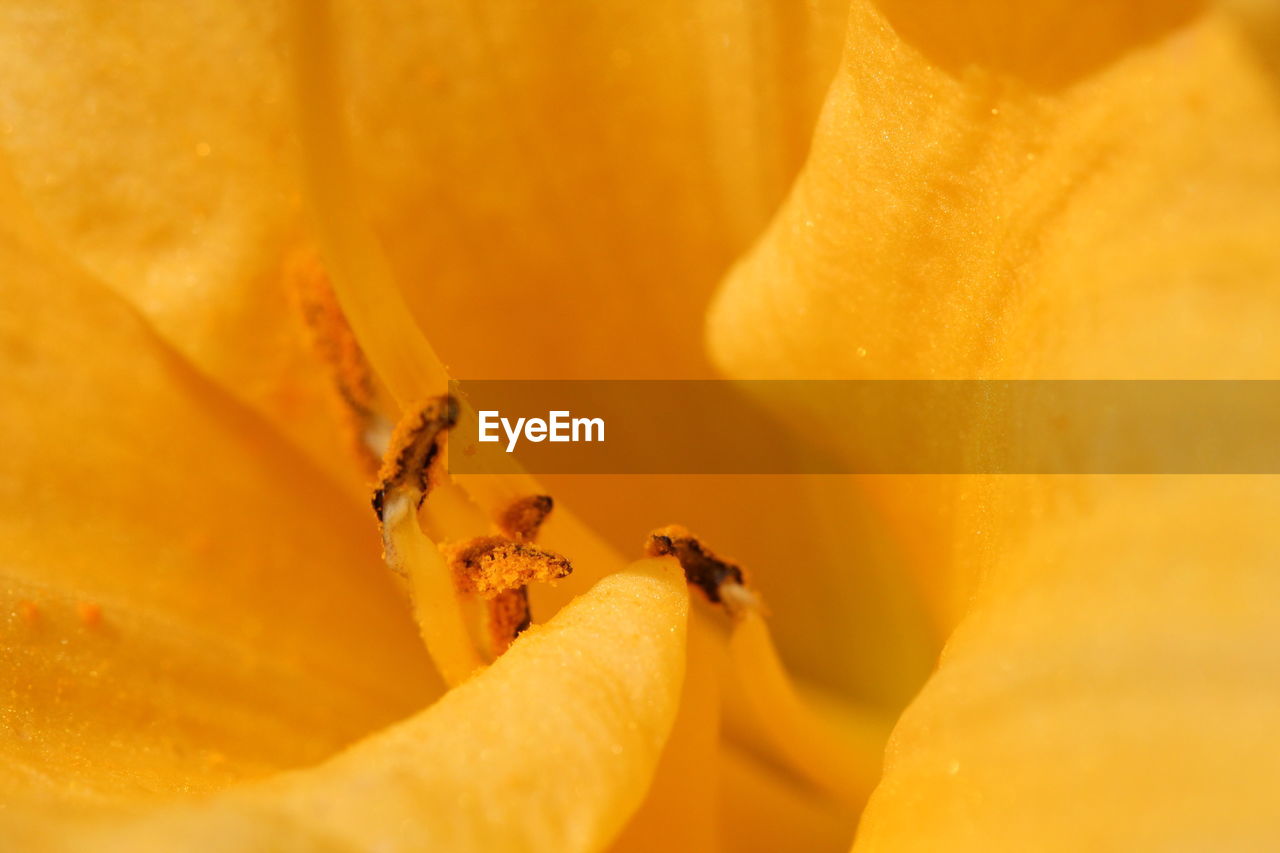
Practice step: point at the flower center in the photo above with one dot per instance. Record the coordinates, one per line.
(844, 763)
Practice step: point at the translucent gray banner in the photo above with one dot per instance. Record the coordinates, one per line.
(867, 427)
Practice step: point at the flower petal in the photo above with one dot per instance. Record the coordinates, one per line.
(979, 220)
(1114, 685)
(187, 601)
(548, 750)
(1022, 190)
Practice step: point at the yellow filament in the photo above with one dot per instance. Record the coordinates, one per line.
(844, 761)
(431, 588)
(360, 271)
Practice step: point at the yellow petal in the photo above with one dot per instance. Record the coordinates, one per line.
(547, 750)
(187, 601)
(976, 208)
(1048, 214)
(1114, 685)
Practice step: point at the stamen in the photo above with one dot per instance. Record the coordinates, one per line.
(490, 565)
(380, 320)
(500, 570)
(846, 764)
(360, 271)
(721, 581)
(414, 445)
(354, 393)
(403, 484)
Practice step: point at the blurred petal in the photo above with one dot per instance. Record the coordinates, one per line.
(973, 215)
(549, 750)
(186, 600)
(1115, 685)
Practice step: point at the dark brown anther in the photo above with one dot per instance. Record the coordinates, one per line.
(721, 581)
(414, 446)
(523, 517)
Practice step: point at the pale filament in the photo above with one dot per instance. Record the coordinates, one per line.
(844, 761)
(431, 589)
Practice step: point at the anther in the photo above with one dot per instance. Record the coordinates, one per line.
(491, 565)
(845, 764)
(414, 446)
(721, 581)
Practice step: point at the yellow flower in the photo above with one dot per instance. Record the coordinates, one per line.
(202, 648)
